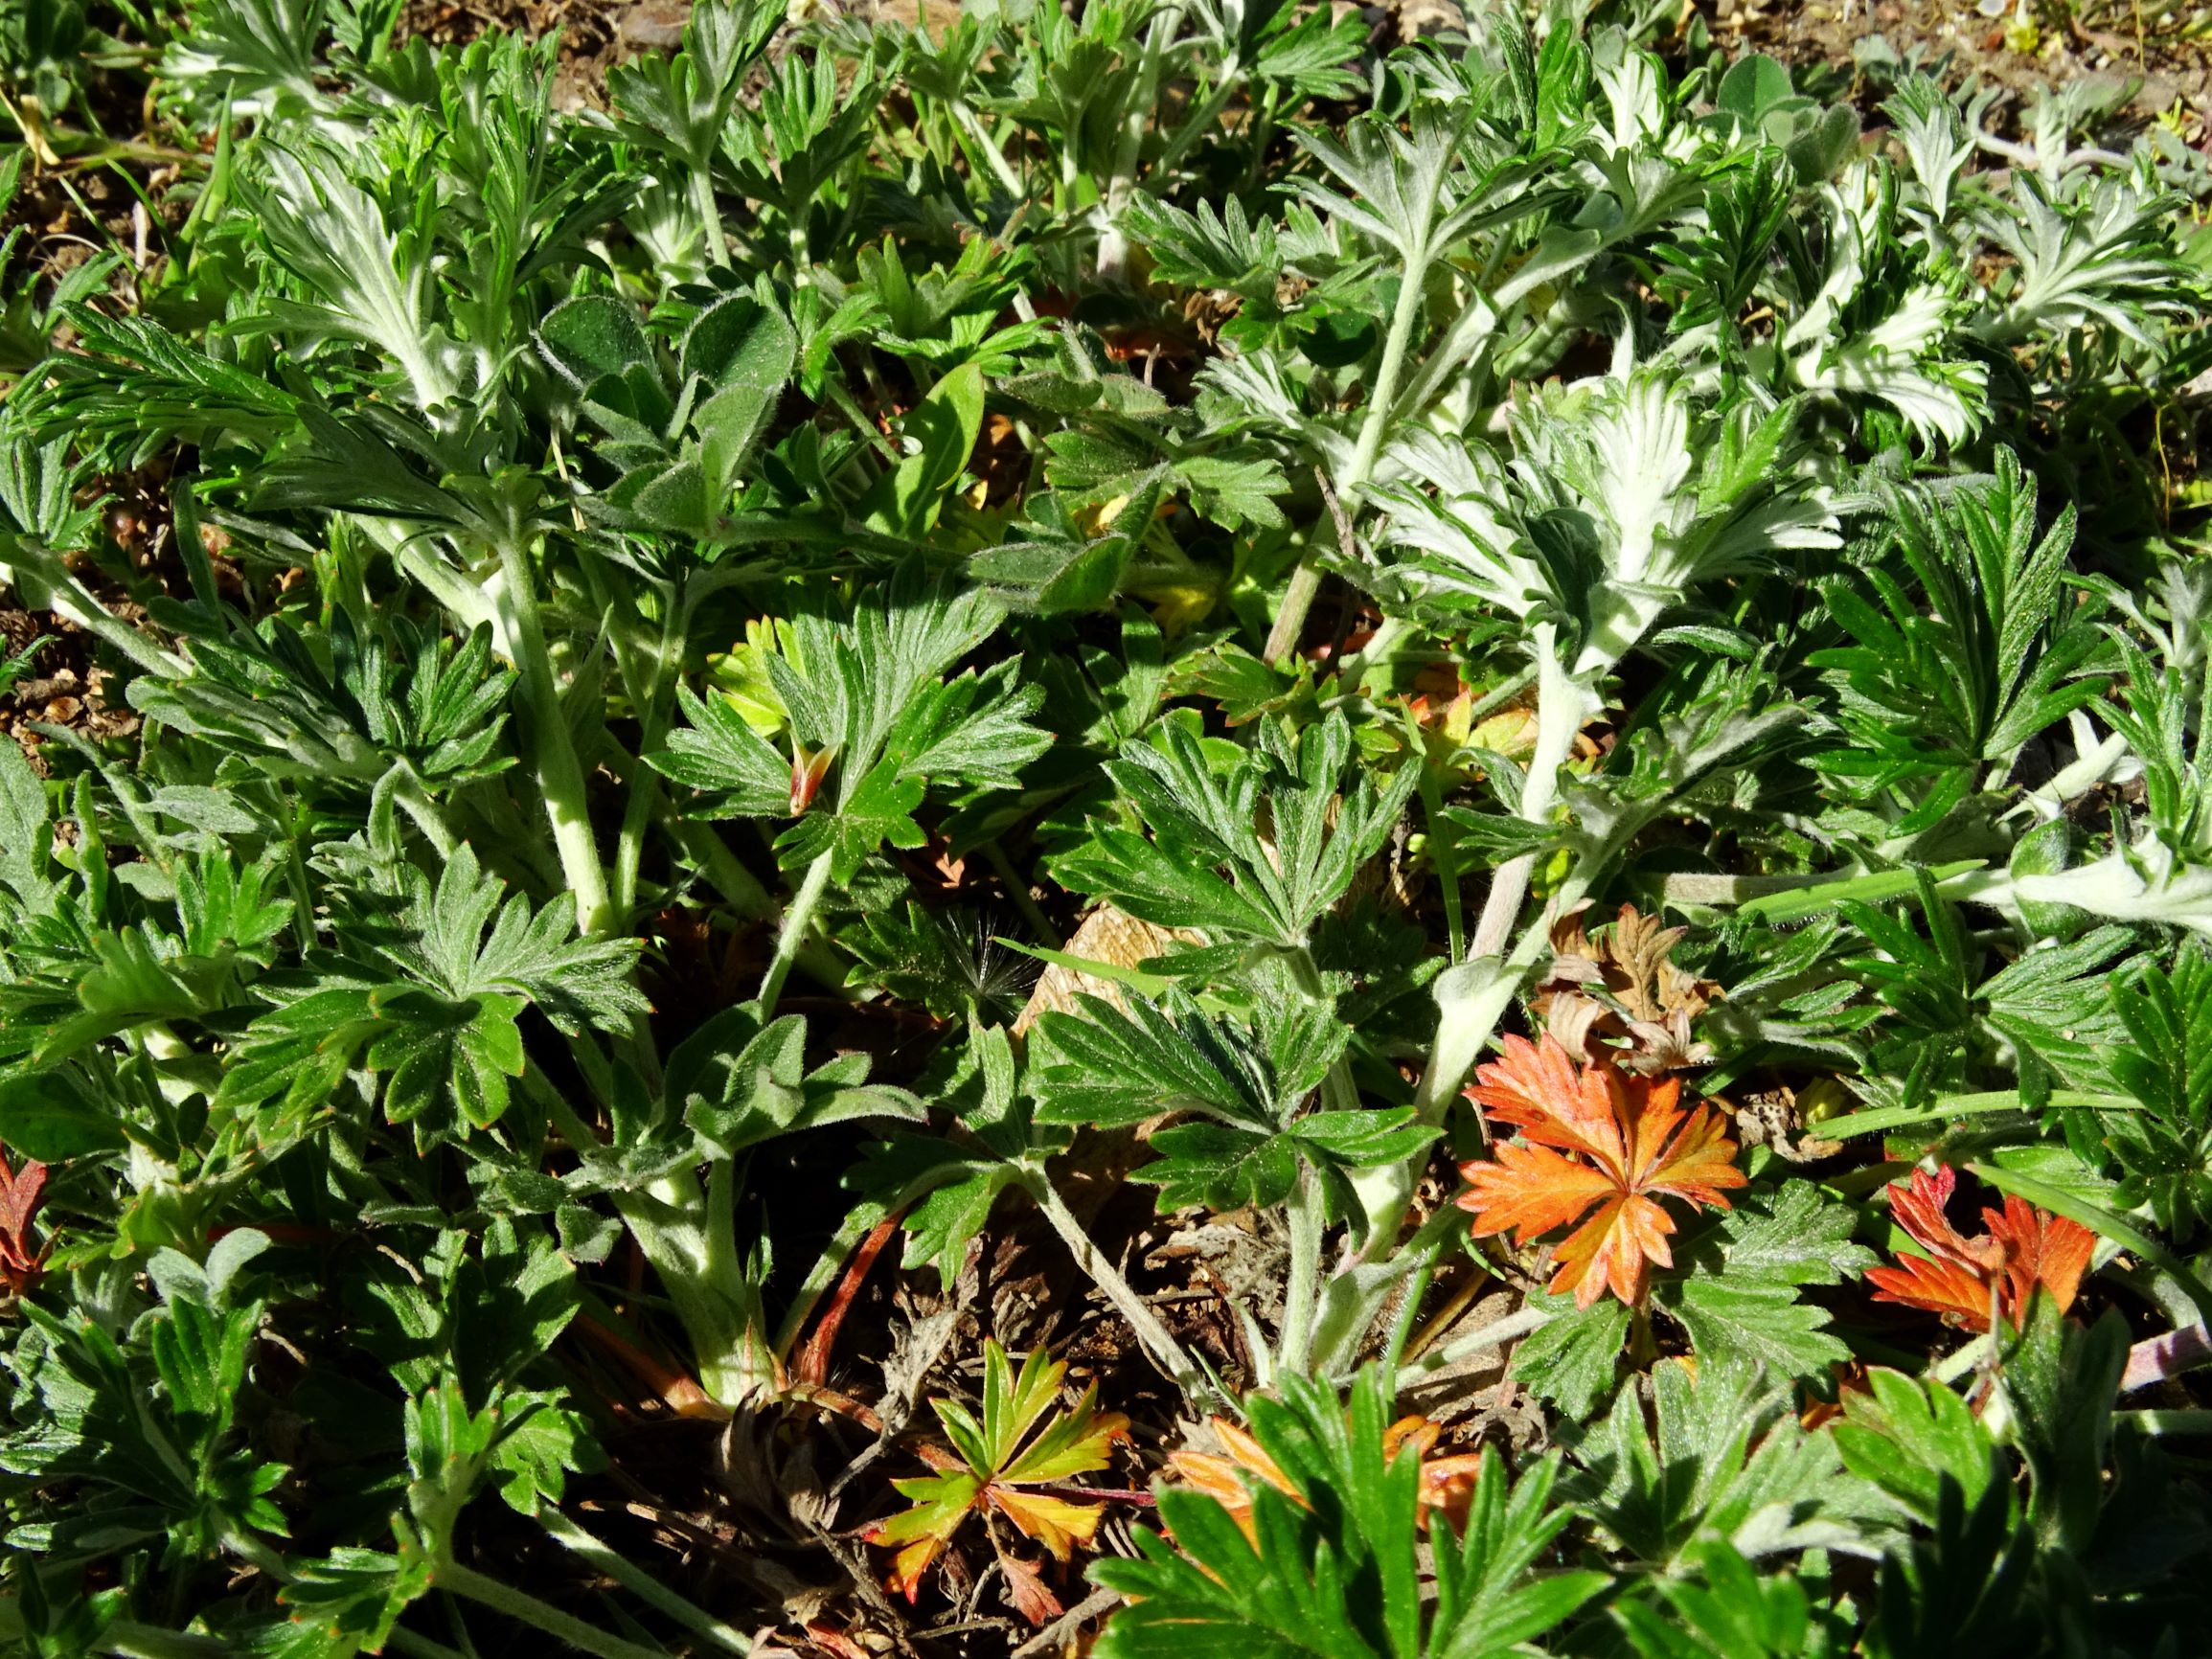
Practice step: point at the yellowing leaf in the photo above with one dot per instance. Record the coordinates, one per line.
(1509, 732)
(1001, 1457)
(1052, 1522)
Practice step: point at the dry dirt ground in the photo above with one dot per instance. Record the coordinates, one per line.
(2018, 44)
(2164, 51)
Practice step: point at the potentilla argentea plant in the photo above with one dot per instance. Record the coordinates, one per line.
(1287, 767)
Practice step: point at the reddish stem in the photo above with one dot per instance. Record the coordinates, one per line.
(830, 1400)
(813, 1365)
(681, 1393)
(1102, 1494)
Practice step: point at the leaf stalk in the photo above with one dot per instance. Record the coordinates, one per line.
(559, 773)
(1405, 316)
(798, 917)
(1166, 1351)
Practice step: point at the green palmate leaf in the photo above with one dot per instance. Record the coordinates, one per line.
(974, 729)
(346, 1602)
(437, 1052)
(2046, 1002)
(1488, 838)
(1054, 578)
(1761, 1323)
(545, 1444)
(723, 756)
(1794, 1235)
(593, 337)
(1248, 1133)
(523, 1442)
(1728, 1612)
(1150, 881)
(531, 953)
(1489, 1598)
(1204, 864)
(1223, 1167)
(52, 1116)
(1915, 1440)
(1234, 491)
(158, 1441)
(2166, 1064)
(942, 1225)
(1205, 1162)
(731, 366)
(737, 1082)
(1366, 1139)
(678, 105)
(2048, 1006)
(380, 693)
(1963, 1583)
(1208, 248)
(1931, 699)
(1109, 1067)
(26, 832)
(879, 812)
(1721, 1454)
(1737, 1295)
(433, 1003)
(870, 712)
(2063, 1381)
(505, 1306)
(1065, 573)
(948, 1189)
(1573, 1357)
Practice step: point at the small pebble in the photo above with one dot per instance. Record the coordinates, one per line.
(656, 24)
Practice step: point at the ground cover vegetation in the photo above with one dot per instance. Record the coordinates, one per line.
(1146, 828)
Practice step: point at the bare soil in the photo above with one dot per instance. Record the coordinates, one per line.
(2163, 51)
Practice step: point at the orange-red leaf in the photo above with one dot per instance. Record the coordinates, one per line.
(911, 1564)
(2020, 1248)
(1958, 1293)
(20, 1192)
(1531, 1189)
(1693, 1165)
(1610, 1251)
(1448, 1486)
(1541, 1091)
(2041, 1249)
(1026, 1589)
(1919, 1206)
(1597, 1147)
